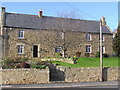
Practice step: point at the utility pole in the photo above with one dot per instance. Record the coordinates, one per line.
(101, 61)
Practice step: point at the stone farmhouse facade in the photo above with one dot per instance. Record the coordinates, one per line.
(25, 35)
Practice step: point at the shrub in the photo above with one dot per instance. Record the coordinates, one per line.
(7, 63)
(38, 66)
(78, 54)
(97, 54)
(23, 65)
(58, 55)
(105, 55)
(24, 59)
(87, 54)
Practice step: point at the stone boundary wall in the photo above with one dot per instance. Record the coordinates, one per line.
(87, 74)
(113, 74)
(65, 74)
(24, 76)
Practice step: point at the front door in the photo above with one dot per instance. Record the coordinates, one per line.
(35, 51)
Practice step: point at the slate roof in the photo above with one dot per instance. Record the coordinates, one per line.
(53, 23)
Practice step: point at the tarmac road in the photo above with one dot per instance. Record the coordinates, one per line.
(108, 84)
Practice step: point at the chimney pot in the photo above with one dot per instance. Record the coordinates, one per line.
(3, 9)
(103, 20)
(40, 13)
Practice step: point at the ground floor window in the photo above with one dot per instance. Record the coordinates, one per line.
(88, 49)
(58, 50)
(103, 49)
(20, 49)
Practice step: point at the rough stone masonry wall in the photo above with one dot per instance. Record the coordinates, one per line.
(47, 41)
(113, 74)
(87, 74)
(24, 76)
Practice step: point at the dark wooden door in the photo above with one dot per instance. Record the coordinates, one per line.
(35, 51)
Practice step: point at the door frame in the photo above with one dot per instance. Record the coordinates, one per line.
(38, 50)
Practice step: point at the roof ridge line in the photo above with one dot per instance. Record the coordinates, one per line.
(54, 17)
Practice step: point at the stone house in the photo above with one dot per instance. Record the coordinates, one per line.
(23, 35)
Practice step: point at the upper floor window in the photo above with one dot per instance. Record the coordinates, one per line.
(88, 49)
(20, 49)
(102, 38)
(60, 35)
(21, 34)
(103, 49)
(88, 37)
(58, 50)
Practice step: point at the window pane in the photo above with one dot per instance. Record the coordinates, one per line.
(20, 49)
(88, 49)
(58, 50)
(21, 34)
(88, 37)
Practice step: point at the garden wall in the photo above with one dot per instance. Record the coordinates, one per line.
(24, 76)
(87, 74)
(113, 74)
(65, 74)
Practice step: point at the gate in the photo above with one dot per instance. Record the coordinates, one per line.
(55, 75)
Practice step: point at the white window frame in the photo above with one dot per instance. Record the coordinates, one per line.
(20, 49)
(58, 49)
(90, 47)
(21, 34)
(103, 49)
(103, 38)
(88, 36)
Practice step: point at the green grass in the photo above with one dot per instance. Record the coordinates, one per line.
(91, 62)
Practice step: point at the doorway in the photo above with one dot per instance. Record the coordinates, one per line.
(35, 51)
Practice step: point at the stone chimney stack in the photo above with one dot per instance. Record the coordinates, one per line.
(3, 9)
(2, 19)
(103, 21)
(40, 13)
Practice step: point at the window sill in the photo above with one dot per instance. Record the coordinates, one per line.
(20, 53)
(21, 38)
(88, 40)
(89, 52)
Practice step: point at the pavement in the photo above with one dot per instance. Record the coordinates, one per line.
(65, 85)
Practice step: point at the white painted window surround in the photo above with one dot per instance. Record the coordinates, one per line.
(58, 50)
(21, 34)
(88, 49)
(88, 37)
(20, 49)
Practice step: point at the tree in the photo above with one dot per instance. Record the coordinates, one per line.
(64, 25)
(116, 41)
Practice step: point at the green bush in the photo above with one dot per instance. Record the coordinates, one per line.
(87, 55)
(105, 55)
(97, 54)
(38, 66)
(78, 54)
(7, 63)
(24, 59)
(58, 55)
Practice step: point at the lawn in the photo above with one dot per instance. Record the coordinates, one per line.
(91, 62)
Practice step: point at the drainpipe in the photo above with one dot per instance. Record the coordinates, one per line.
(2, 32)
